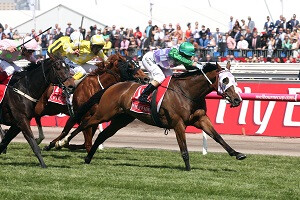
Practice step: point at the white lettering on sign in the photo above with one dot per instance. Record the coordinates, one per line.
(287, 121)
(266, 117)
(244, 107)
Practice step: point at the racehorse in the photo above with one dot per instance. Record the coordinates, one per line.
(24, 90)
(183, 105)
(116, 69)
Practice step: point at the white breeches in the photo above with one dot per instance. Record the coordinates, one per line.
(85, 68)
(9, 67)
(158, 74)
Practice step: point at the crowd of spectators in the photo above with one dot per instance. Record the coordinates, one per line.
(241, 42)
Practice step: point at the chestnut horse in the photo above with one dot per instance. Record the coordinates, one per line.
(24, 90)
(183, 105)
(116, 69)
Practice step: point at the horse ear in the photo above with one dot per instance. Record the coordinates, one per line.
(228, 65)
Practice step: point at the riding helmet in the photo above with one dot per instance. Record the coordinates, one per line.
(97, 40)
(187, 49)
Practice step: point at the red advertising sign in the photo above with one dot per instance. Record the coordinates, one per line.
(266, 118)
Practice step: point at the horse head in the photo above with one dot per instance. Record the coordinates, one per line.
(128, 68)
(59, 72)
(227, 86)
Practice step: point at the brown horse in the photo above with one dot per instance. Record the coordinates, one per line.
(116, 69)
(183, 105)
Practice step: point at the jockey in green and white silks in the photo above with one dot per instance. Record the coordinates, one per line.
(10, 53)
(159, 63)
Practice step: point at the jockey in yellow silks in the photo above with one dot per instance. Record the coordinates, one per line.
(78, 53)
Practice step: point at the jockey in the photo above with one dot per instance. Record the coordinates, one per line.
(159, 62)
(78, 53)
(10, 53)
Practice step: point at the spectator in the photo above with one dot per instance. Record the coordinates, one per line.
(137, 34)
(295, 47)
(261, 59)
(2, 35)
(230, 24)
(283, 24)
(243, 27)
(145, 44)
(237, 34)
(294, 21)
(203, 42)
(291, 59)
(130, 33)
(164, 29)
(107, 46)
(281, 33)
(230, 42)
(264, 41)
(158, 37)
(242, 44)
(179, 34)
(248, 35)
(196, 32)
(16, 35)
(55, 28)
(216, 35)
(269, 26)
(82, 31)
(149, 29)
(58, 34)
(232, 59)
(286, 44)
(188, 32)
(1, 26)
(211, 44)
(92, 31)
(271, 45)
(6, 29)
(69, 29)
(88, 36)
(117, 42)
(277, 23)
(171, 29)
(193, 41)
(208, 59)
(236, 25)
(124, 46)
(132, 47)
(251, 24)
(10, 33)
(255, 41)
(203, 31)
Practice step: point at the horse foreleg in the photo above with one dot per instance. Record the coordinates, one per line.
(11, 134)
(116, 124)
(181, 140)
(27, 132)
(69, 125)
(88, 137)
(40, 128)
(205, 124)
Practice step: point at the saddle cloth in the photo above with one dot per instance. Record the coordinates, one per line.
(139, 107)
(3, 87)
(57, 96)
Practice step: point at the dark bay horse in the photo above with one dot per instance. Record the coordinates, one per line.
(116, 69)
(24, 90)
(183, 105)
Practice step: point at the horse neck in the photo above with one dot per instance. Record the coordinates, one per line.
(35, 82)
(198, 86)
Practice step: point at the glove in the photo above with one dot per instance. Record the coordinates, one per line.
(199, 66)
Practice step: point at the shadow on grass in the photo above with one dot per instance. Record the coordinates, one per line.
(181, 168)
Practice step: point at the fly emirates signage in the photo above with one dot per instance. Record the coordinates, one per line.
(254, 117)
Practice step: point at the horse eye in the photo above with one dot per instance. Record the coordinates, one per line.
(225, 80)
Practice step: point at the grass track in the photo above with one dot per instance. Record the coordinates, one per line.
(119, 173)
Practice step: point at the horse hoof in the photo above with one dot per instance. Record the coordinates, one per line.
(240, 156)
(47, 148)
(87, 160)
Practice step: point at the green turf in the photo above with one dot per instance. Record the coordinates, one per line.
(145, 174)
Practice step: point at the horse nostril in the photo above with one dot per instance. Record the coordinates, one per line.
(237, 101)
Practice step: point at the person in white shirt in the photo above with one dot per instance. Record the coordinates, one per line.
(242, 44)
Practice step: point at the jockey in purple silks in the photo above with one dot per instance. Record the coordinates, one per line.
(159, 63)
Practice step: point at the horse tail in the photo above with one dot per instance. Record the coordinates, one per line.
(82, 110)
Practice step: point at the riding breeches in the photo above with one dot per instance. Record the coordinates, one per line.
(9, 67)
(158, 74)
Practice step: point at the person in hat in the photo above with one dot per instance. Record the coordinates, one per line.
(69, 30)
(137, 34)
(10, 53)
(159, 62)
(78, 53)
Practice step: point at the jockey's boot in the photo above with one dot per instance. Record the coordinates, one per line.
(78, 77)
(3, 76)
(147, 91)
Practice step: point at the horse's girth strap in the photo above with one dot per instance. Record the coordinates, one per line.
(25, 95)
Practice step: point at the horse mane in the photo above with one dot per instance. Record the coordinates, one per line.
(103, 66)
(32, 66)
(208, 67)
